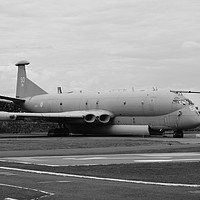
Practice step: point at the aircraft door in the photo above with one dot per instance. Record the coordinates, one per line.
(50, 105)
(166, 121)
(175, 104)
(149, 106)
(152, 104)
(55, 106)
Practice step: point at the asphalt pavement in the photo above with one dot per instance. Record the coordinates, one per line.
(35, 185)
(17, 182)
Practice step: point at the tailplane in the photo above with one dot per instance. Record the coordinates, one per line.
(25, 87)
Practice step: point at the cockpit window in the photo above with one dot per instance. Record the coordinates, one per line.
(176, 100)
(189, 102)
(182, 101)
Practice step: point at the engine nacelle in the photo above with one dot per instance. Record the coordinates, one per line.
(97, 116)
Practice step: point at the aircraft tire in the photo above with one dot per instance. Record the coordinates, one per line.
(178, 134)
(50, 133)
(57, 132)
(156, 131)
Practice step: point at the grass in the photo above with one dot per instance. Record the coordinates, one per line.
(44, 143)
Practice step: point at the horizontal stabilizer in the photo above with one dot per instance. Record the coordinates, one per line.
(15, 100)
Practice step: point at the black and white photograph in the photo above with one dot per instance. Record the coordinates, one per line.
(99, 99)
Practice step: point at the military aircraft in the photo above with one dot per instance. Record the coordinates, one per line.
(133, 112)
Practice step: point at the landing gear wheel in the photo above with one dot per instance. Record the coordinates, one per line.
(178, 134)
(57, 132)
(51, 133)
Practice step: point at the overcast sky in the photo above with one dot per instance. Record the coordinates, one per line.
(101, 44)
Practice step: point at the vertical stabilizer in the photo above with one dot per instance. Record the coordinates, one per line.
(25, 87)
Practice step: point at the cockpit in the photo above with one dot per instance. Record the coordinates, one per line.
(182, 101)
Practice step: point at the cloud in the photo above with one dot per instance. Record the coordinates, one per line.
(191, 45)
(103, 44)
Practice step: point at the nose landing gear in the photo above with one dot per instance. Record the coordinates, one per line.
(61, 130)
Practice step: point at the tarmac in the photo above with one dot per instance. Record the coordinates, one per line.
(26, 174)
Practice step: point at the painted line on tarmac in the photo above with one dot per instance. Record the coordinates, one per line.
(47, 165)
(47, 182)
(46, 194)
(8, 174)
(175, 160)
(30, 163)
(151, 161)
(103, 179)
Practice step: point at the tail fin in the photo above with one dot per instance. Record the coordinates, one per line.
(25, 87)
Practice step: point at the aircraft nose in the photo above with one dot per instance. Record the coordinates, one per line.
(194, 120)
(189, 121)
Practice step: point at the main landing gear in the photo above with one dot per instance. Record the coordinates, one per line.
(61, 130)
(178, 134)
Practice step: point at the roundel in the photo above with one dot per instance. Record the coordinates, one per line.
(41, 104)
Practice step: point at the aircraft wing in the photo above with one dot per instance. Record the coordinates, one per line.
(86, 116)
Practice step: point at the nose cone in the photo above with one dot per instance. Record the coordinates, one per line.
(191, 120)
(195, 121)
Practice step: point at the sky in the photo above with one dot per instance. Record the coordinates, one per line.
(98, 45)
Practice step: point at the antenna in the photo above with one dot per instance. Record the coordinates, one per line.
(22, 63)
(59, 89)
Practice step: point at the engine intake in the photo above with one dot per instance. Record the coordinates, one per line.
(89, 118)
(104, 118)
(97, 116)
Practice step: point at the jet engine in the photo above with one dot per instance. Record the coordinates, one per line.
(104, 118)
(89, 118)
(97, 116)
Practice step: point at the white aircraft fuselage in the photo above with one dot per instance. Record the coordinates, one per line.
(134, 112)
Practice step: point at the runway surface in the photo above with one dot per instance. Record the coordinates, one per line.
(105, 159)
(29, 185)
(44, 174)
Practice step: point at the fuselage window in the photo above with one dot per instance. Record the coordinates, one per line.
(176, 100)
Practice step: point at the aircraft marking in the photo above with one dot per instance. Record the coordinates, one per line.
(41, 104)
(47, 182)
(8, 174)
(151, 161)
(22, 81)
(86, 158)
(46, 194)
(102, 179)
